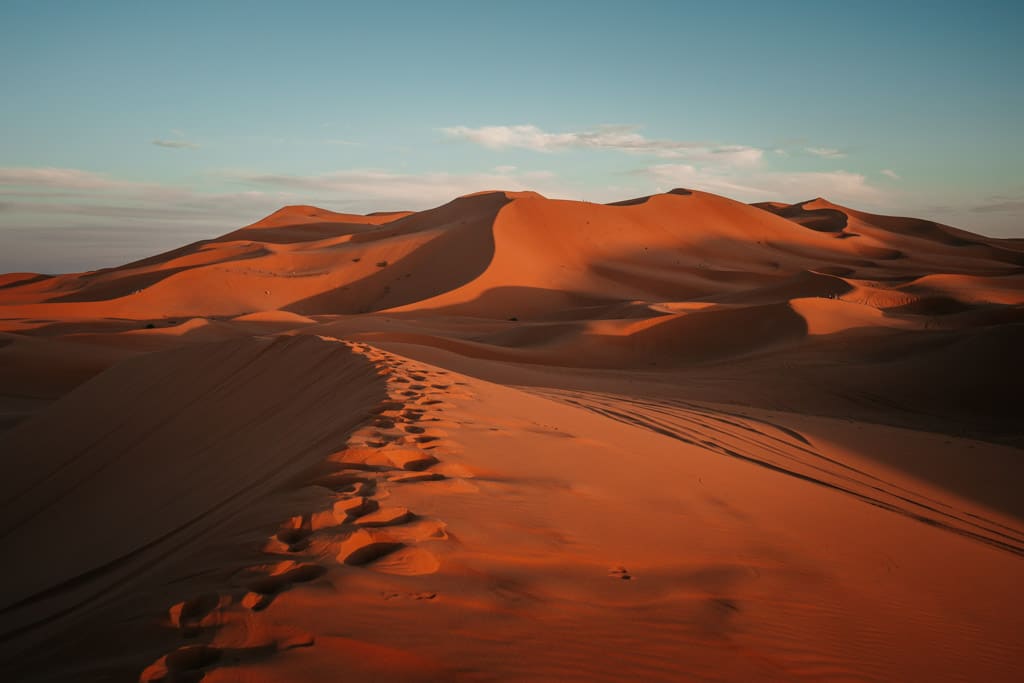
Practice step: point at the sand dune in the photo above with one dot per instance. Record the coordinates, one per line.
(513, 438)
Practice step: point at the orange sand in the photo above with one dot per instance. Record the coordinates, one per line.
(678, 438)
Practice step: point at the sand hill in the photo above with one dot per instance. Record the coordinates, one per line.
(513, 438)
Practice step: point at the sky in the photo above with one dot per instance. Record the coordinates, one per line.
(129, 128)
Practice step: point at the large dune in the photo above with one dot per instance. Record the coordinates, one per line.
(513, 438)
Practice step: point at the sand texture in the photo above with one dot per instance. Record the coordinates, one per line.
(511, 438)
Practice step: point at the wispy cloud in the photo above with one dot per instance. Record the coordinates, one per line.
(61, 219)
(1001, 205)
(825, 152)
(70, 191)
(50, 182)
(58, 178)
(176, 144)
(75, 191)
(187, 206)
(888, 172)
(758, 185)
(414, 190)
(621, 138)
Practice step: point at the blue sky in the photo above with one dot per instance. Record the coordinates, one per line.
(129, 128)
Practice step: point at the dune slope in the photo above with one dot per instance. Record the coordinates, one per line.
(513, 438)
(129, 481)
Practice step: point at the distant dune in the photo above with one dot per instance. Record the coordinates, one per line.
(512, 438)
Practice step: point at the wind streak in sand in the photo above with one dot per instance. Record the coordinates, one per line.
(785, 451)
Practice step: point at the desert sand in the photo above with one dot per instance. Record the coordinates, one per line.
(511, 438)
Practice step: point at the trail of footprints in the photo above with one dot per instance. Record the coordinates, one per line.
(399, 447)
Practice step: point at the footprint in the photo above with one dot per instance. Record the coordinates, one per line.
(426, 595)
(386, 517)
(189, 615)
(415, 530)
(725, 604)
(408, 561)
(386, 406)
(360, 549)
(193, 657)
(191, 663)
(295, 539)
(620, 573)
(188, 663)
(351, 509)
(411, 460)
(294, 528)
(415, 477)
(355, 528)
(343, 482)
(263, 590)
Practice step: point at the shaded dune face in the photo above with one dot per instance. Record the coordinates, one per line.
(822, 220)
(160, 466)
(435, 251)
(820, 214)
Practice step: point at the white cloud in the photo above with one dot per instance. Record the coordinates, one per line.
(825, 152)
(176, 144)
(841, 186)
(620, 138)
(498, 137)
(890, 173)
(401, 189)
(58, 178)
(73, 182)
(62, 219)
(1001, 205)
(69, 191)
(728, 155)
